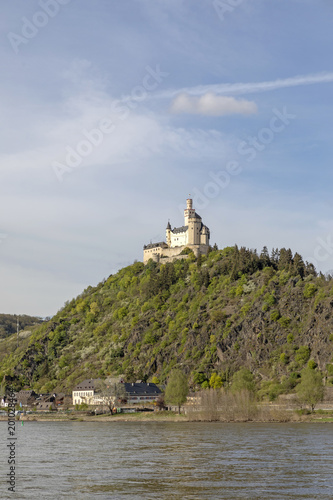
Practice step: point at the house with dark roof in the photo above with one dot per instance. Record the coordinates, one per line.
(140, 392)
(26, 398)
(193, 235)
(136, 392)
(46, 406)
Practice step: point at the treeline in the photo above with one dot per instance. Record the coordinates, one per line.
(234, 262)
(239, 261)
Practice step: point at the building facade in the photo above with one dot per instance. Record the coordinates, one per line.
(85, 392)
(140, 392)
(193, 235)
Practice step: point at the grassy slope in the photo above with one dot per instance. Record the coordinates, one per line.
(216, 316)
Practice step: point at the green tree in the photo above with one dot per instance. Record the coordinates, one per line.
(215, 381)
(302, 354)
(298, 265)
(264, 257)
(285, 259)
(177, 389)
(243, 380)
(309, 290)
(310, 390)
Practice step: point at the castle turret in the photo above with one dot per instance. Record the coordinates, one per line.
(189, 211)
(204, 238)
(168, 234)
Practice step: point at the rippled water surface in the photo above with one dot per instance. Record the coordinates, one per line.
(148, 460)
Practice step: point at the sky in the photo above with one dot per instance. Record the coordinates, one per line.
(112, 113)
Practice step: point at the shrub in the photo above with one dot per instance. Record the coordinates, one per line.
(199, 378)
(270, 299)
(215, 381)
(122, 312)
(290, 382)
(186, 251)
(150, 338)
(243, 380)
(290, 338)
(329, 368)
(146, 306)
(309, 290)
(284, 321)
(217, 316)
(284, 277)
(302, 354)
(274, 391)
(284, 358)
(275, 315)
(236, 346)
(121, 295)
(250, 287)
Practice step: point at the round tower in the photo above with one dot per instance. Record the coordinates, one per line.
(168, 234)
(188, 212)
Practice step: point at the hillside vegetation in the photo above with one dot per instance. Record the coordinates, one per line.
(210, 317)
(8, 323)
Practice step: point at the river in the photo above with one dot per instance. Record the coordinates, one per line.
(157, 460)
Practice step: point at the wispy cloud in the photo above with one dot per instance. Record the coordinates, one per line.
(212, 105)
(249, 88)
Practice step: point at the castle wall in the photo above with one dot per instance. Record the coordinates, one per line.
(178, 239)
(152, 253)
(164, 260)
(164, 255)
(199, 249)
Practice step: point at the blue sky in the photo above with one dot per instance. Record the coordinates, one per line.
(113, 112)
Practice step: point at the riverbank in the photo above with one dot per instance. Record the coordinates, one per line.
(166, 416)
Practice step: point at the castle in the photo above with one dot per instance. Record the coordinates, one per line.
(193, 235)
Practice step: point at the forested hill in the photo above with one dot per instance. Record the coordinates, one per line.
(234, 308)
(8, 323)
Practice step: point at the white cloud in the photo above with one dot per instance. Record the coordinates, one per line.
(251, 87)
(212, 105)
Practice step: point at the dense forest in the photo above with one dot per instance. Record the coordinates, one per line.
(209, 317)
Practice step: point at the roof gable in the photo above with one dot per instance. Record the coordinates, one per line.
(87, 385)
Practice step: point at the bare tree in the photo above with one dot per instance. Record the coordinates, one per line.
(110, 394)
(160, 404)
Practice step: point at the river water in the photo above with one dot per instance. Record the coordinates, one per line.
(157, 460)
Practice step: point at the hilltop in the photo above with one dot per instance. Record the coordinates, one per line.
(218, 313)
(8, 323)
